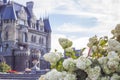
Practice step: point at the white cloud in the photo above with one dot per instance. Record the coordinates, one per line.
(68, 27)
(102, 29)
(104, 10)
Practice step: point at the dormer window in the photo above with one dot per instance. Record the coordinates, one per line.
(41, 25)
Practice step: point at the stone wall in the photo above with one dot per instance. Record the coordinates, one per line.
(19, 76)
(22, 76)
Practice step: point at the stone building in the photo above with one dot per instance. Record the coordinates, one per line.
(23, 38)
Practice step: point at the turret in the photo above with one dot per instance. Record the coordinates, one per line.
(21, 59)
(4, 1)
(47, 29)
(30, 6)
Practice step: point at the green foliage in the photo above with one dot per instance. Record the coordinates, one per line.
(4, 67)
(70, 53)
(98, 49)
(58, 65)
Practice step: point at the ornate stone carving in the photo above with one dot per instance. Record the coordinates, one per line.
(22, 14)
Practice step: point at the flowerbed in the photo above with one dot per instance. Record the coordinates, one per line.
(102, 62)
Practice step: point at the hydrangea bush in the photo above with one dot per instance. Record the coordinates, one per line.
(102, 62)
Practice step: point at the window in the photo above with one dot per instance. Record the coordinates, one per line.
(32, 39)
(25, 37)
(0, 48)
(40, 40)
(37, 27)
(6, 35)
(21, 22)
(6, 48)
(33, 26)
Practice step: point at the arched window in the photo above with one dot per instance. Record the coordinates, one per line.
(25, 37)
(40, 40)
(7, 29)
(32, 38)
(6, 35)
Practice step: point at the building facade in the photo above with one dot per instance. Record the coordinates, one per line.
(23, 38)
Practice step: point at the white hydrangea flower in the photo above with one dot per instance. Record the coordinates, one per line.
(117, 48)
(42, 77)
(103, 60)
(53, 75)
(70, 77)
(94, 48)
(82, 63)
(64, 73)
(92, 41)
(94, 73)
(115, 77)
(116, 31)
(118, 69)
(113, 45)
(89, 44)
(87, 78)
(106, 70)
(105, 78)
(52, 57)
(109, 64)
(65, 43)
(112, 42)
(113, 56)
(69, 49)
(69, 64)
(112, 65)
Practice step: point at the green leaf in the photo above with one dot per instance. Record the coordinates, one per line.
(59, 65)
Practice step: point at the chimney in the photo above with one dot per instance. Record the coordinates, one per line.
(4, 1)
(30, 5)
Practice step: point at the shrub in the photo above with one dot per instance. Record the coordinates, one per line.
(4, 67)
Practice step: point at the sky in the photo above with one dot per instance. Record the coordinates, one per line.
(78, 20)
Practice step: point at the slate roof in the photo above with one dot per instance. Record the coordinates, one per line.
(10, 11)
(47, 25)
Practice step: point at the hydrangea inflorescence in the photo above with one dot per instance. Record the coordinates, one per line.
(102, 62)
